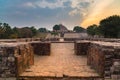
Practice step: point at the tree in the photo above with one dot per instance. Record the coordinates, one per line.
(110, 27)
(34, 30)
(2, 29)
(25, 32)
(78, 29)
(6, 31)
(42, 30)
(56, 27)
(92, 29)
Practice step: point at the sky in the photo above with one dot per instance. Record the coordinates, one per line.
(47, 13)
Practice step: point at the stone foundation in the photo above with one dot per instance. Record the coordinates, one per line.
(81, 47)
(15, 58)
(104, 57)
(41, 48)
(25, 58)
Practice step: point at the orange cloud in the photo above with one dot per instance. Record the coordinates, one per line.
(97, 11)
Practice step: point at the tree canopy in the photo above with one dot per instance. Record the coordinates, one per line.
(42, 30)
(78, 29)
(92, 29)
(56, 27)
(108, 27)
(7, 32)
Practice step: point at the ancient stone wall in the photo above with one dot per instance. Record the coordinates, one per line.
(25, 58)
(41, 48)
(104, 57)
(15, 58)
(7, 62)
(81, 47)
(96, 58)
(19, 40)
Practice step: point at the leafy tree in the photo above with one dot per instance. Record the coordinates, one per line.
(25, 32)
(34, 30)
(56, 27)
(92, 29)
(2, 30)
(5, 30)
(78, 29)
(42, 30)
(110, 27)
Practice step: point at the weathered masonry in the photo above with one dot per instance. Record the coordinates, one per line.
(104, 57)
(16, 57)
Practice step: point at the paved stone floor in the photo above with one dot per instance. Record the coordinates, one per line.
(61, 63)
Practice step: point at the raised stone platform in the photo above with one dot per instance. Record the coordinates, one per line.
(62, 63)
(98, 58)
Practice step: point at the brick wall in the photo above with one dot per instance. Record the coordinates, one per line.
(81, 47)
(41, 48)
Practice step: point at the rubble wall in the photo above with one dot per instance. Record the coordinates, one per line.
(104, 57)
(41, 48)
(15, 58)
(25, 58)
(81, 47)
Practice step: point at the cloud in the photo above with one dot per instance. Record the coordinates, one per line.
(47, 4)
(29, 4)
(73, 12)
(87, 10)
(95, 11)
(79, 7)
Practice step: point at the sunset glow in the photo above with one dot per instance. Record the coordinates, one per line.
(47, 13)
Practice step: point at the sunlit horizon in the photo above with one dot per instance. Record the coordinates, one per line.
(47, 13)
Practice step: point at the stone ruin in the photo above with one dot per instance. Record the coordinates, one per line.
(18, 56)
(102, 55)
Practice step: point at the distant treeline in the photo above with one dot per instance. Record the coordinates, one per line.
(108, 28)
(7, 32)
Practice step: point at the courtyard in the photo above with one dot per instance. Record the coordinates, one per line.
(61, 63)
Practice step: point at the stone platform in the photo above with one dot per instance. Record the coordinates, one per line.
(60, 64)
